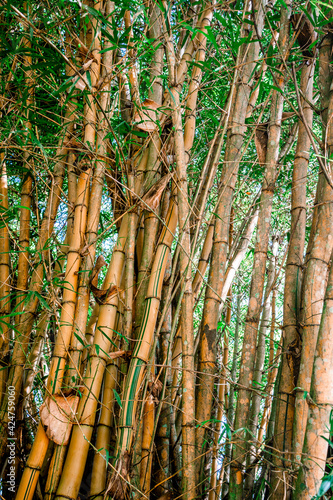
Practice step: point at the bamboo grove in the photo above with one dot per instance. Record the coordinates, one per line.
(166, 241)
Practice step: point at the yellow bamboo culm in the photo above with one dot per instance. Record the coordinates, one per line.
(81, 435)
(55, 469)
(99, 469)
(4, 277)
(58, 363)
(147, 437)
(140, 357)
(26, 193)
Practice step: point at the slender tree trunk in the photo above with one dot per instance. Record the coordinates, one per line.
(316, 264)
(258, 369)
(273, 364)
(258, 274)
(26, 193)
(104, 430)
(235, 138)
(319, 401)
(4, 279)
(36, 281)
(147, 438)
(293, 280)
(225, 472)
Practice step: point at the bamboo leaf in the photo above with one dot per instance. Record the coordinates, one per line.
(116, 395)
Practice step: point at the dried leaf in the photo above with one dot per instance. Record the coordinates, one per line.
(82, 82)
(260, 139)
(87, 65)
(100, 262)
(305, 33)
(73, 144)
(117, 354)
(118, 483)
(155, 387)
(57, 414)
(101, 296)
(153, 196)
(145, 117)
(287, 114)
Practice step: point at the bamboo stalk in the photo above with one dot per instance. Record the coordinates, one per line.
(258, 368)
(188, 399)
(271, 375)
(222, 386)
(207, 344)
(4, 278)
(317, 263)
(225, 472)
(319, 401)
(214, 489)
(81, 435)
(26, 191)
(292, 293)
(193, 89)
(104, 429)
(55, 470)
(147, 437)
(141, 352)
(258, 274)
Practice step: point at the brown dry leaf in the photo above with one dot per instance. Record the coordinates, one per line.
(117, 354)
(83, 50)
(57, 414)
(82, 82)
(305, 33)
(87, 65)
(145, 117)
(118, 483)
(153, 196)
(260, 140)
(73, 144)
(155, 387)
(100, 262)
(101, 296)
